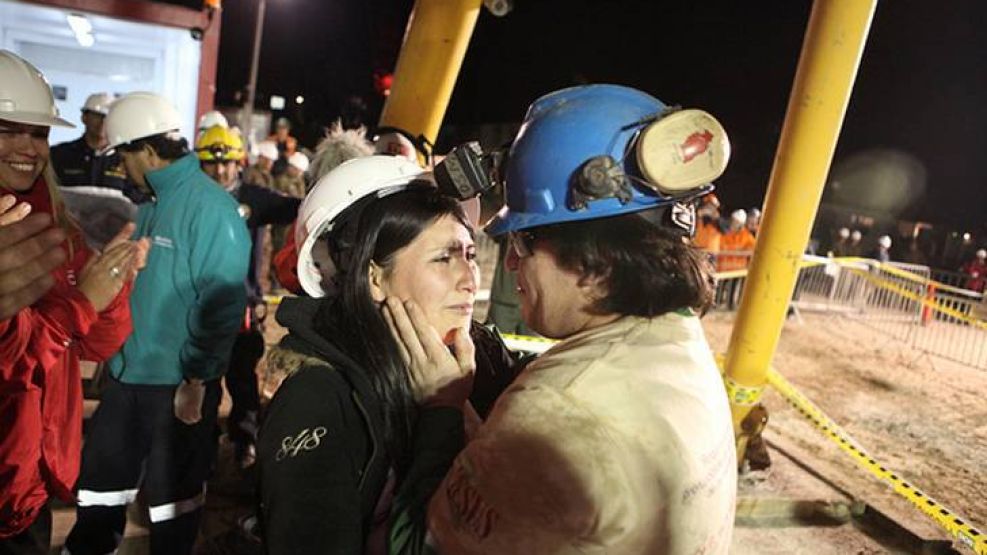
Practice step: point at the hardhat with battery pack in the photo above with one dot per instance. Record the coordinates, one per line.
(25, 95)
(219, 144)
(597, 151)
(139, 115)
(330, 198)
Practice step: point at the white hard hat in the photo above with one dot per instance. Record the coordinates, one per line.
(334, 193)
(844, 232)
(139, 115)
(25, 95)
(856, 235)
(739, 215)
(98, 103)
(212, 119)
(981, 253)
(884, 241)
(268, 150)
(298, 160)
(755, 213)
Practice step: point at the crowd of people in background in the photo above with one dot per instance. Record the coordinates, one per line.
(730, 239)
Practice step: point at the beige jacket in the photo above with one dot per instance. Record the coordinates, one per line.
(617, 440)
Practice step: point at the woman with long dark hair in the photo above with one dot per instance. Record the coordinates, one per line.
(380, 367)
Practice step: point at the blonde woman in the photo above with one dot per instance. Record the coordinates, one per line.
(85, 315)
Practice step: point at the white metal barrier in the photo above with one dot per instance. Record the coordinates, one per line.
(900, 300)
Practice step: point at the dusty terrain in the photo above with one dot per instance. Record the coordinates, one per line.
(919, 415)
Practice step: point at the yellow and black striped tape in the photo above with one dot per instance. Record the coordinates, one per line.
(925, 301)
(946, 519)
(741, 394)
(527, 343)
(911, 276)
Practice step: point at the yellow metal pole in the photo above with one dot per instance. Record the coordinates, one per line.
(834, 43)
(434, 46)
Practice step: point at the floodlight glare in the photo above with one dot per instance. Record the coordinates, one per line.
(82, 29)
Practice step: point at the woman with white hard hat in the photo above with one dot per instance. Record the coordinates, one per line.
(618, 439)
(85, 315)
(380, 359)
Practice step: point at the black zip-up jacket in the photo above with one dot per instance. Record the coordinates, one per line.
(321, 457)
(265, 207)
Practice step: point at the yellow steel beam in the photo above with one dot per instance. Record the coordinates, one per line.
(834, 43)
(434, 47)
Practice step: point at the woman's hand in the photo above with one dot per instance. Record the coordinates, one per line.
(439, 377)
(104, 275)
(29, 251)
(10, 214)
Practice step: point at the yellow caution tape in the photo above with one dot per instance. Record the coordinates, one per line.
(733, 274)
(912, 276)
(527, 343)
(274, 300)
(741, 394)
(925, 301)
(948, 520)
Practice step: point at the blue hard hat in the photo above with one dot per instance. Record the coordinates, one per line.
(561, 133)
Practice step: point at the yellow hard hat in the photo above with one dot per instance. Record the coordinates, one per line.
(219, 144)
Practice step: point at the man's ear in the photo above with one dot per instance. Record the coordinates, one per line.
(375, 277)
(593, 287)
(151, 155)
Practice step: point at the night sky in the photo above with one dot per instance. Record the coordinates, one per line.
(919, 89)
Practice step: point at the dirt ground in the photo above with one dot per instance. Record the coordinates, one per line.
(922, 416)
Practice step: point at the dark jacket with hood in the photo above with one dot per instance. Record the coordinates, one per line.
(323, 465)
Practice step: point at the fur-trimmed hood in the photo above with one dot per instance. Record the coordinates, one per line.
(303, 346)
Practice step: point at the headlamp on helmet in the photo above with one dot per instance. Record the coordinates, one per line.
(219, 144)
(597, 151)
(467, 171)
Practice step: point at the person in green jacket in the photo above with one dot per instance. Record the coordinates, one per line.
(155, 425)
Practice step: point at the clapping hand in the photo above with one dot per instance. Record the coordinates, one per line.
(30, 249)
(104, 275)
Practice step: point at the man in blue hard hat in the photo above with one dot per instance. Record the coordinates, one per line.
(619, 438)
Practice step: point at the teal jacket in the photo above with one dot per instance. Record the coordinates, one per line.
(188, 303)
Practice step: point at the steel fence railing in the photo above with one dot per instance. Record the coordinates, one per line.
(950, 277)
(897, 299)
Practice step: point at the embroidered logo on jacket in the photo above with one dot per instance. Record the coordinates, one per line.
(470, 511)
(306, 440)
(164, 242)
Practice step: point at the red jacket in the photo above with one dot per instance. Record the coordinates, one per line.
(41, 388)
(286, 263)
